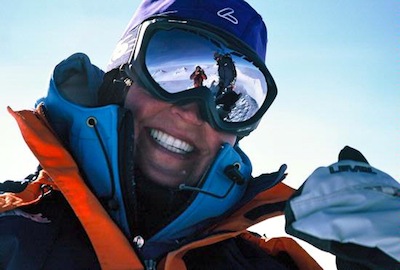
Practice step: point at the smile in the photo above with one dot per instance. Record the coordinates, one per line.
(171, 143)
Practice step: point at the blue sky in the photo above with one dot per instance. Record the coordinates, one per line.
(336, 64)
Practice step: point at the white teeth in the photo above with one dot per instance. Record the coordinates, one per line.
(171, 143)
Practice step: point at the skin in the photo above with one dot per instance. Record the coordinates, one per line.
(158, 163)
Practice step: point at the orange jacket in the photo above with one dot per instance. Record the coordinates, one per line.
(111, 246)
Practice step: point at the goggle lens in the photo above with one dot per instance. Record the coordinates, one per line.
(179, 60)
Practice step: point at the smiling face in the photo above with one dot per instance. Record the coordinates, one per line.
(173, 144)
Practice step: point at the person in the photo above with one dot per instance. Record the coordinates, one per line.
(198, 76)
(226, 71)
(139, 173)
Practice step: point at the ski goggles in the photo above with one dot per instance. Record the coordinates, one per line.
(181, 62)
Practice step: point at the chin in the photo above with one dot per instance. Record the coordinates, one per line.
(164, 179)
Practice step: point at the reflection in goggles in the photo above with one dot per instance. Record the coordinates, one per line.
(179, 60)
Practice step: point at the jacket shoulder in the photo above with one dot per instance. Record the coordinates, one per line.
(51, 226)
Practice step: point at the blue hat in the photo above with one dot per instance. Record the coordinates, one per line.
(234, 16)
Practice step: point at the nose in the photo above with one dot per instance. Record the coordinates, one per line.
(188, 112)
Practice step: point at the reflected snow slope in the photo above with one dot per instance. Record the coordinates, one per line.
(177, 78)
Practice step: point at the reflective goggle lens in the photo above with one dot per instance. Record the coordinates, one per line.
(179, 60)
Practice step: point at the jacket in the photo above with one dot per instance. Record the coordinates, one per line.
(110, 246)
(61, 199)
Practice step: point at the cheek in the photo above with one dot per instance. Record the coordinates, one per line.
(142, 105)
(229, 138)
(220, 137)
(216, 139)
(134, 100)
(137, 102)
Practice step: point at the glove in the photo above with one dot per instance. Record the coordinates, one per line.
(351, 210)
